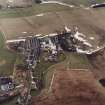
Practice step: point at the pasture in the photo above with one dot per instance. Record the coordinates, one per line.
(7, 59)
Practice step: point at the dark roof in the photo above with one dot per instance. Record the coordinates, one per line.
(5, 80)
(98, 5)
(21, 67)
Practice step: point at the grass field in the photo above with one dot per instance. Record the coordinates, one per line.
(81, 2)
(42, 8)
(72, 61)
(7, 59)
(55, 17)
(35, 9)
(68, 60)
(53, 21)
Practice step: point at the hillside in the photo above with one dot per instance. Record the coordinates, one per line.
(79, 2)
(17, 3)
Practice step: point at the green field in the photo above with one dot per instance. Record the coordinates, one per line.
(35, 9)
(81, 2)
(42, 8)
(7, 59)
(7, 67)
(72, 61)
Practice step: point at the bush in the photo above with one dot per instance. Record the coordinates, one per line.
(37, 1)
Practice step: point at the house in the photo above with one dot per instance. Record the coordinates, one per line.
(6, 84)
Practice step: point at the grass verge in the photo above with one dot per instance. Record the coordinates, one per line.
(7, 58)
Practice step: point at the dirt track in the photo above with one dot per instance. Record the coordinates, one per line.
(73, 88)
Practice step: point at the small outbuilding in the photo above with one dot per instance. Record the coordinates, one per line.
(6, 84)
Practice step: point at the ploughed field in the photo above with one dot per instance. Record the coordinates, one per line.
(97, 61)
(73, 87)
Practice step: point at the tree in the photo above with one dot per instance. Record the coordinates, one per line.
(37, 1)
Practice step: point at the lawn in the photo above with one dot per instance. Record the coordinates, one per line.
(7, 59)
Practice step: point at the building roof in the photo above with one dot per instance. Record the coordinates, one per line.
(5, 80)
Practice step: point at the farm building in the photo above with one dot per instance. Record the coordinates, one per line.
(6, 84)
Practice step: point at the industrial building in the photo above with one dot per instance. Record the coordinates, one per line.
(6, 84)
(31, 51)
(6, 87)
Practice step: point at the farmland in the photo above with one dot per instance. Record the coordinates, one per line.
(53, 21)
(81, 2)
(73, 87)
(50, 18)
(7, 59)
(72, 61)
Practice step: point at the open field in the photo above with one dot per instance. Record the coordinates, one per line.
(11, 102)
(52, 21)
(91, 22)
(73, 87)
(81, 2)
(72, 61)
(97, 60)
(7, 59)
(35, 9)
